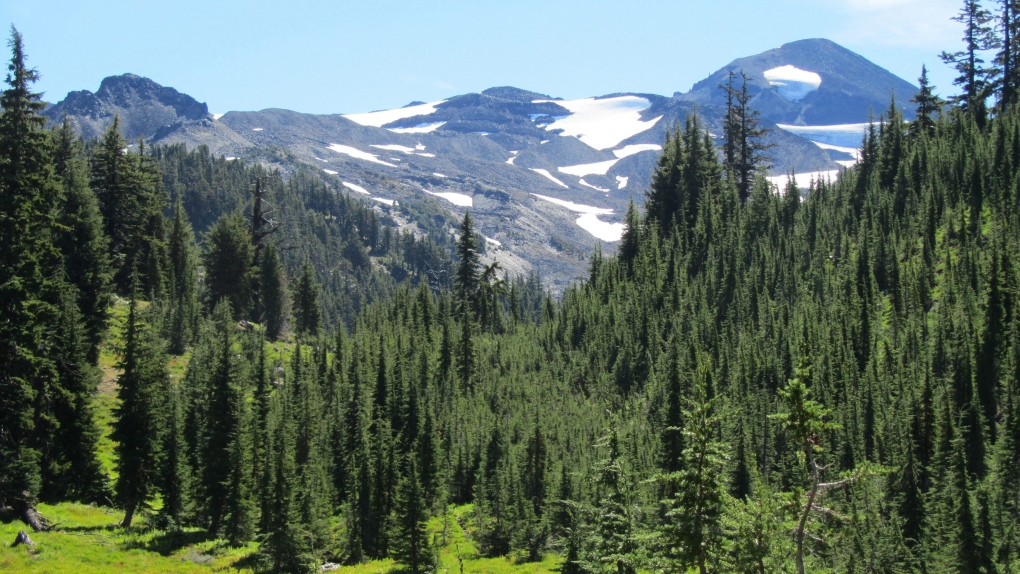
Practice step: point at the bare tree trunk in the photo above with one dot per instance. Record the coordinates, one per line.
(30, 516)
(807, 511)
(129, 514)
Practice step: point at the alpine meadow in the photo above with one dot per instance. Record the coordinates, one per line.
(214, 363)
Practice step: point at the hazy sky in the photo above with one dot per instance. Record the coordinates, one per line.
(344, 56)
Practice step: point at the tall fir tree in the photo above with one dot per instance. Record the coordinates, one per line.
(137, 422)
(29, 288)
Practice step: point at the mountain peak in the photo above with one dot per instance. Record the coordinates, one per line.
(813, 81)
(143, 105)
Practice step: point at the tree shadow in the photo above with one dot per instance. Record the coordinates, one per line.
(167, 543)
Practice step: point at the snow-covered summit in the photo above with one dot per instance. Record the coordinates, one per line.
(793, 83)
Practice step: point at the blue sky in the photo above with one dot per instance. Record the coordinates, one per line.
(345, 56)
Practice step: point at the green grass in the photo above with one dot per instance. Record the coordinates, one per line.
(87, 539)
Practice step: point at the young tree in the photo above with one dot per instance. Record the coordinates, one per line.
(805, 425)
(410, 545)
(928, 104)
(692, 529)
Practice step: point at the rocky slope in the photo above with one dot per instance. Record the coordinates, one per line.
(546, 178)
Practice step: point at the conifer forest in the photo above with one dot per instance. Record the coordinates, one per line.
(759, 379)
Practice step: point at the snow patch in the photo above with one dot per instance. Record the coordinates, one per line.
(355, 187)
(381, 118)
(217, 116)
(589, 219)
(231, 158)
(513, 157)
(595, 187)
(549, 176)
(418, 129)
(621, 181)
(854, 153)
(419, 147)
(394, 147)
(437, 174)
(426, 154)
(793, 83)
(598, 168)
(493, 241)
(389, 202)
(358, 154)
(803, 180)
(632, 149)
(458, 199)
(604, 123)
(257, 129)
(330, 172)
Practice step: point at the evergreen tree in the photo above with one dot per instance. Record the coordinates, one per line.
(978, 36)
(227, 263)
(174, 471)
(611, 544)
(306, 303)
(137, 425)
(181, 322)
(275, 296)
(410, 538)
(82, 241)
(74, 470)
(28, 289)
(224, 395)
(692, 529)
(466, 283)
(928, 104)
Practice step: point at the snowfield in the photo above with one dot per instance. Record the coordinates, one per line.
(330, 172)
(621, 181)
(358, 154)
(602, 124)
(598, 168)
(418, 129)
(389, 202)
(355, 187)
(632, 149)
(513, 157)
(843, 135)
(383, 117)
(589, 219)
(793, 83)
(458, 199)
(545, 173)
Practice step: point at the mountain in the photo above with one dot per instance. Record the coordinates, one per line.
(545, 178)
(810, 82)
